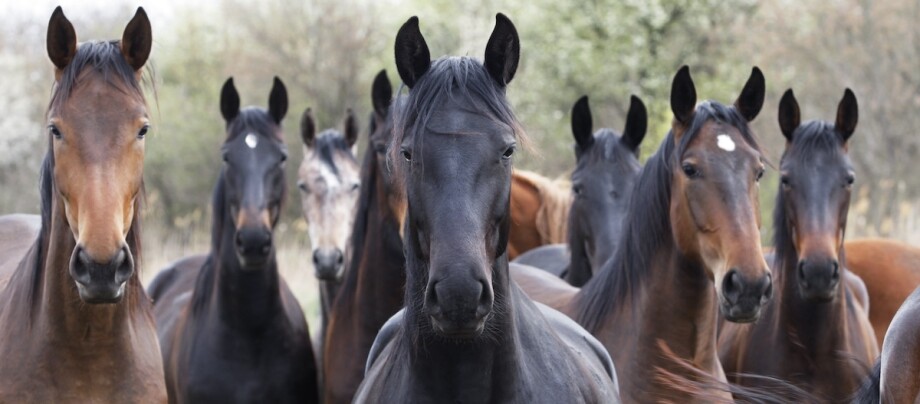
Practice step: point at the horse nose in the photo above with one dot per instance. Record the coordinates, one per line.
(253, 244)
(742, 298)
(101, 282)
(328, 263)
(457, 304)
(818, 279)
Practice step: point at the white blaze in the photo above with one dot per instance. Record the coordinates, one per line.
(725, 143)
(252, 141)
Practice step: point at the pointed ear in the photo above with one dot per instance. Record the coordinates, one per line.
(229, 101)
(137, 40)
(789, 115)
(582, 126)
(307, 128)
(278, 101)
(683, 96)
(503, 51)
(847, 115)
(412, 56)
(636, 125)
(62, 39)
(381, 94)
(351, 128)
(750, 101)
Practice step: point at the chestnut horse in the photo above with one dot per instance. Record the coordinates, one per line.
(817, 334)
(691, 227)
(372, 290)
(75, 323)
(468, 334)
(539, 207)
(230, 328)
(606, 167)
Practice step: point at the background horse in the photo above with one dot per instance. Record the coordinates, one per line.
(373, 288)
(230, 328)
(75, 324)
(329, 180)
(539, 207)
(817, 334)
(606, 167)
(691, 226)
(468, 334)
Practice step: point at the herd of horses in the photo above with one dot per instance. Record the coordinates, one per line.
(634, 284)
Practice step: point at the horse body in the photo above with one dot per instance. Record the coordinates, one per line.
(539, 207)
(229, 326)
(75, 324)
(817, 335)
(468, 334)
(373, 287)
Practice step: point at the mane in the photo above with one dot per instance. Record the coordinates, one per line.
(254, 120)
(607, 146)
(809, 139)
(329, 143)
(647, 226)
(555, 201)
(106, 59)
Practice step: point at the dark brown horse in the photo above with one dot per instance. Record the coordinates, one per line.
(691, 247)
(229, 326)
(816, 334)
(75, 323)
(372, 290)
(468, 334)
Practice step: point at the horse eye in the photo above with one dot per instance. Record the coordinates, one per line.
(508, 152)
(143, 132)
(55, 132)
(785, 181)
(302, 186)
(690, 170)
(226, 158)
(355, 186)
(406, 155)
(576, 189)
(283, 158)
(758, 175)
(850, 180)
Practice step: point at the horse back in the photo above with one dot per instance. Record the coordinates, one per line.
(900, 359)
(543, 287)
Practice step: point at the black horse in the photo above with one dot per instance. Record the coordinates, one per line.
(606, 167)
(230, 329)
(468, 334)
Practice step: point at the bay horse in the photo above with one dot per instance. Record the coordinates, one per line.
(606, 167)
(229, 326)
(373, 286)
(329, 180)
(539, 208)
(893, 379)
(691, 227)
(468, 334)
(816, 334)
(75, 323)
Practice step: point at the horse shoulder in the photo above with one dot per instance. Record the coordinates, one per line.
(17, 235)
(901, 354)
(543, 287)
(553, 258)
(858, 289)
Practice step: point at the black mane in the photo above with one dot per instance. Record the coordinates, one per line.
(105, 58)
(647, 226)
(327, 143)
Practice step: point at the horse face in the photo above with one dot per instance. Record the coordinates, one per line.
(253, 172)
(329, 182)
(97, 133)
(816, 181)
(715, 208)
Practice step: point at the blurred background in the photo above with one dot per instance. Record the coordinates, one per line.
(328, 51)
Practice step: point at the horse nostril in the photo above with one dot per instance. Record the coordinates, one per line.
(239, 240)
(801, 273)
(316, 257)
(485, 295)
(339, 257)
(835, 270)
(732, 285)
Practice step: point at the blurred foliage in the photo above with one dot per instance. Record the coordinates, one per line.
(327, 52)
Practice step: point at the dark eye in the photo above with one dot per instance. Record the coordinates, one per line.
(406, 155)
(785, 181)
(143, 132)
(508, 153)
(55, 132)
(850, 180)
(283, 158)
(690, 171)
(576, 189)
(758, 175)
(302, 186)
(226, 157)
(355, 187)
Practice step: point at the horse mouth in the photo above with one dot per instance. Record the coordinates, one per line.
(740, 313)
(454, 330)
(104, 294)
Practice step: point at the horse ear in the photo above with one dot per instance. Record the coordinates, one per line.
(229, 101)
(381, 93)
(503, 51)
(683, 96)
(847, 115)
(62, 39)
(636, 124)
(307, 128)
(278, 101)
(351, 128)
(412, 56)
(750, 101)
(789, 115)
(137, 40)
(582, 126)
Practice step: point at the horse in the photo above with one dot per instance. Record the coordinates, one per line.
(816, 334)
(468, 334)
(539, 207)
(606, 167)
(372, 289)
(691, 227)
(75, 323)
(328, 179)
(230, 328)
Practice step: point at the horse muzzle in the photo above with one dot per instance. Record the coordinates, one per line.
(741, 299)
(101, 282)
